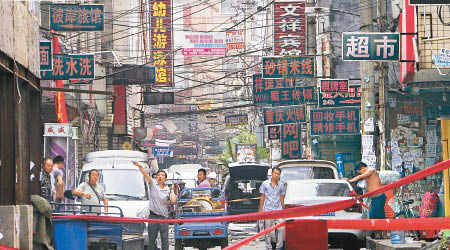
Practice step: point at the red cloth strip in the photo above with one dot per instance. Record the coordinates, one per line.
(3, 247)
(392, 224)
(245, 241)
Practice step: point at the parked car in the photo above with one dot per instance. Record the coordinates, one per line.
(307, 169)
(318, 191)
(241, 186)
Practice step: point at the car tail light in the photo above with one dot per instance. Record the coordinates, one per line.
(184, 232)
(292, 205)
(355, 208)
(217, 232)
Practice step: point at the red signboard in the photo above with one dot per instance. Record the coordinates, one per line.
(333, 85)
(289, 28)
(161, 23)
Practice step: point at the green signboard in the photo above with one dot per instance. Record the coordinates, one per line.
(45, 55)
(370, 46)
(288, 67)
(342, 121)
(291, 141)
(70, 67)
(70, 17)
(284, 114)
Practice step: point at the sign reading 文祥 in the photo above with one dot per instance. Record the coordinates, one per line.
(71, 17)
(290, 141)
(236, 120)
(70, 67)
(343, 121)
(45, 55)
(291, 67)
(284, 114)
(370, 46)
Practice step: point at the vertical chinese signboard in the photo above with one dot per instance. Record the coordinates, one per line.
(45, 55)
(343, 121)
(70, 17)
(289, 28)
(161, 23)
(370, 46)
(290, 141)
(70, 67)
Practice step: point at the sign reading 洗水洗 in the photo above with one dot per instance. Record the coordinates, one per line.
(70, 67)
(341, 121)
(290, 141)
(290, 67)
(236, 120)
(370, 46)
(132, 74)
(73, 17)
(45, 55)
(284, 114)
(419, 2)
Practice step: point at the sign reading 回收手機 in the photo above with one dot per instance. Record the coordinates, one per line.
(341, 121)
(370, 46)
(290, 67)
(72, 17)
(70, 67)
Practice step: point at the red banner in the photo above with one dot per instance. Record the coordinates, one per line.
(60, 100)
(289, 28)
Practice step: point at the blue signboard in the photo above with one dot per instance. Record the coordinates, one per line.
(341, 99)
(370, 46)
(290, 141)
(343, 121)
(284, 114)
(70, 17)
(340, 164)
(163, 152)
(70, 67)
(282, 67)
(45, 55)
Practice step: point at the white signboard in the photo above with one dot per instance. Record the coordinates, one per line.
(204, 44)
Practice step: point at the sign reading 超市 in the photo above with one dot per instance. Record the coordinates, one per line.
(284, 114)
(290, 67)
(72, 17)
(342, 121)
(70, 67)
(370, 46)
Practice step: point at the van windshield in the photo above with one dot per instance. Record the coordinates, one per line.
(121, 184)
(306, 172)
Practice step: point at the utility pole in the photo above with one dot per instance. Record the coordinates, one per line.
(367, 70)
(382, 91)
(311, 50)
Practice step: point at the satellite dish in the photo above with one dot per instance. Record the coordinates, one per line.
(140, 133)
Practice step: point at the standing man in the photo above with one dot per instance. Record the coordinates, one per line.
(160, 196)
(202, 181)
(58, 177)
(46, 179)
(272, 198)
(92, 193)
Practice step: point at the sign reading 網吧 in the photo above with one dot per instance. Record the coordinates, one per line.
(290, 141)
(428, 2)
(161, 41)
(132, 74)
(290, 67)
(289, 28)
(280, 92)
(333, 85)
(73, 17)
(236, 120)
(341, 99)
(274, 132)
(45, 55)
(343, 121)
(70, 67)
(284, 114)
(370, 46)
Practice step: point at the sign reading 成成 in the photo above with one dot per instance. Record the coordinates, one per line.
(284, 114)
(45, 55)
(70, 67)
(343, 121)
(333, 85)
(290, 141)
(291, 67)
(72, 17)
(370, 46)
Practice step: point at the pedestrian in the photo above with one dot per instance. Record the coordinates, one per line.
(202, 181)
(92, 193)
(46, 179)
(160, 196)
(272, 198)
(373, 182)
(58, 179)
(212, 179)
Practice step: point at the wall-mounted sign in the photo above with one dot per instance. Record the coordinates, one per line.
(290, 141)
(274, 132)
(246, 152)
(72, 17)
(289, 28)
(70, 67)
(419, 2)
(133, 74)
(212, 119)
(45, 55)
(156, 98)
(370, 46)
(284, 114)
(236, 120)
(163, 152)
(343, 121)
(341, 99)
(235, 39)
(333, 85)
(290, 67)
(204, 44)
(57, 129)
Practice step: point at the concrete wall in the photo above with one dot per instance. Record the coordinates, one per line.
(19, 36)
(16, 226)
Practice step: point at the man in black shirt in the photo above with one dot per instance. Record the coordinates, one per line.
(45, 178)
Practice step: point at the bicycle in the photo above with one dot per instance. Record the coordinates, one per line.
(406, 211)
